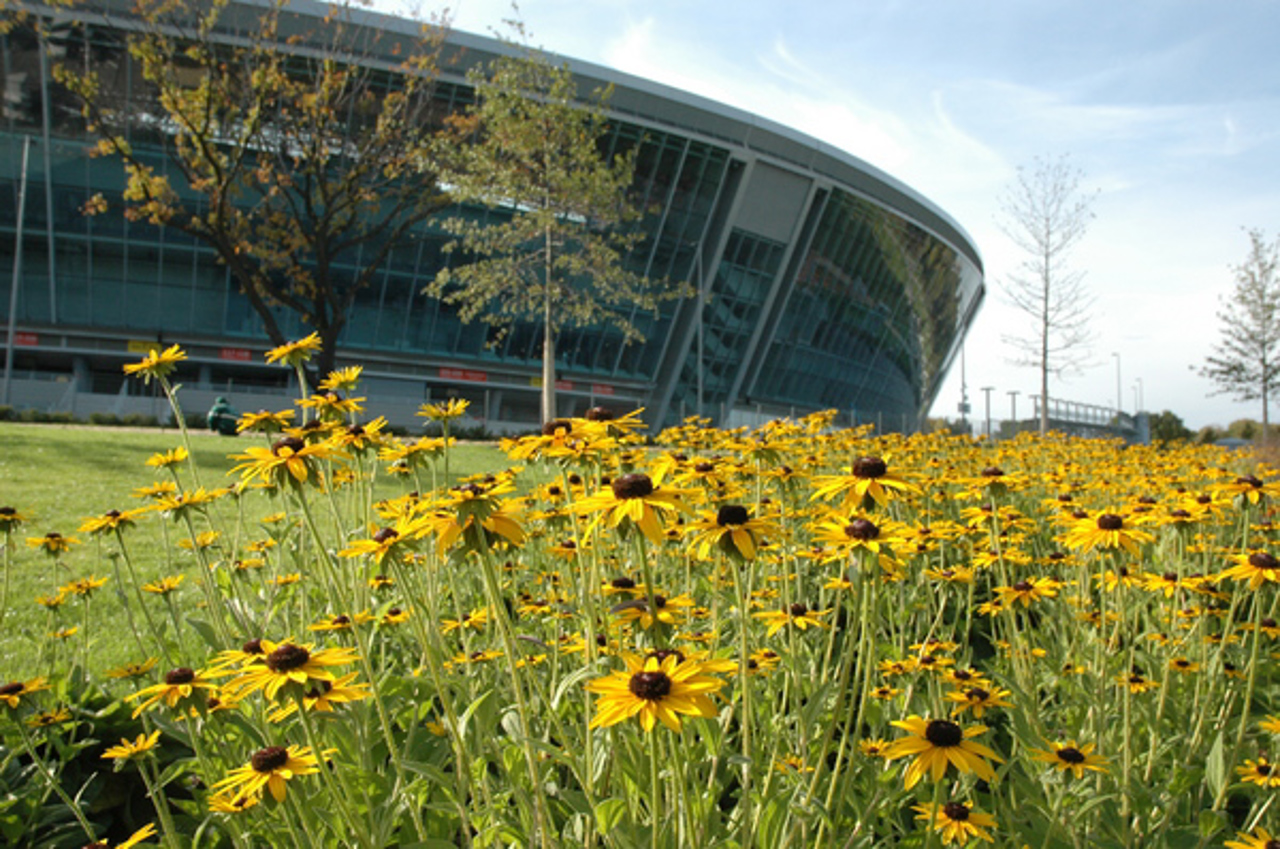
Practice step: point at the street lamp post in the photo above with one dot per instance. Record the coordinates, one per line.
(987, 390)
(1119, 397)
(1142, 401)
(1013, 408)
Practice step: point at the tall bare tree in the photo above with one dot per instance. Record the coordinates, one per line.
(1046, 214)
(1245, 362)
(300, 162)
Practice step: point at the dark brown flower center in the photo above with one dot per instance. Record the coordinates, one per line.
(943, 733)
(1110, 522)
(1024, 586)
(287, 657)
(798, 609)
(731, 514)
(704, 467)
(976, 694)
(863, 529)
(869, 468)
(955, 812)
(269, 759)
(993, 472)
(623, 583)
(563, 426)
(600, 414)
(253, 646)
(663, 654)
(633, 485)
(1263, 560)
(181, 675)
(961, 675)
(8, 511)
(293, 443)
(385, 535)
(11, 688)
(1249, 480)
(650, 686)
(1071, 755)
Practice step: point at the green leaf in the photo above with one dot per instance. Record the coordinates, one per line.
(1215, 771)
(1211, 822)
(609, 813)
(206, 632)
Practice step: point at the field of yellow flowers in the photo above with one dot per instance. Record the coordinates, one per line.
(787, 636)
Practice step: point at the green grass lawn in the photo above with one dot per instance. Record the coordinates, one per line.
(60, 475)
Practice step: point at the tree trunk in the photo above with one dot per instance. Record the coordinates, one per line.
(548, 365)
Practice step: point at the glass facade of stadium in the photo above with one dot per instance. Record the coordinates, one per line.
(824, 283)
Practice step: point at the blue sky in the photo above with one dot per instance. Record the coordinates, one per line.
(1171, 109)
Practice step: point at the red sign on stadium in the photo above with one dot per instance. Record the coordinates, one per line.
(28, 339)
(465, 374)
(241, 355)
(601, 389)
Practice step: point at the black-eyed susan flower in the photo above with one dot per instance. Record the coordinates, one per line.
(1261, 772)
(1071, 757)
(83, 586)
(294, 354)
(939, 743)
(144, 833)
(874, 747)
(112, 520)
(454, 408)
(128, 750)
(865, 483)
(632, 499)
(341, 380)
(165, 585)
(52, 543)
(667, 611)
(323, 695)
(288, 663)
(14, 692)
(1106, 531)
(156, 364)
(978, 699)
(1136, 682)
(956, 822)
(10, 519)
(264, 421)
(731, 530)
(797, 615)
(1259, 838)
(271, 768)
(476, 620)
(49, 718)
(1028, 590)
(654, 690)
(1256, 567)
(288, 460)
(167, 459)
(180, 688)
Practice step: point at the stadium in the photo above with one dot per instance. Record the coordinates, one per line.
(821, 282)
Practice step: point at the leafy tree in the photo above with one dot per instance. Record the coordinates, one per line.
(1169, 427)
(1046, 215)
(1245, 362)
(556, 255)
(301, 166)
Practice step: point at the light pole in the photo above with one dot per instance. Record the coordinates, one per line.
(1119, 397)
(1142, 401)
(1013, 408)
(987, 390)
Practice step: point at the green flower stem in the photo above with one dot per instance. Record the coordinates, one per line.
(355, 832)
(475, 536)
(655, 793)
(137, 589)
(172, 395)
(397, 757)
(1245, 706)
(159, 802)
(933, 808)
(51, 779)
